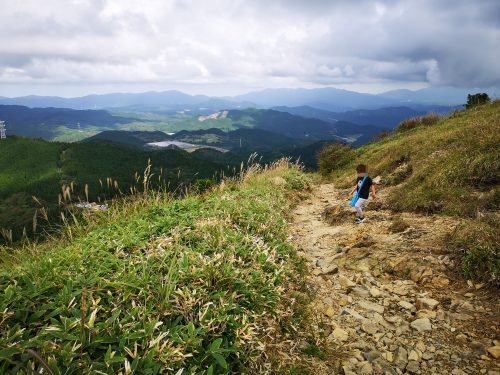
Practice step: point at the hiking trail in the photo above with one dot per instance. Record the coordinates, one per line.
(388, 292)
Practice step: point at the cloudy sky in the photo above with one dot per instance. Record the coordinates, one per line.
(218, 47)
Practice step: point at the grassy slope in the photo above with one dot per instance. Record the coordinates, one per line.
(27, 162)
(159, 284)
(452, 167)
(31, 167)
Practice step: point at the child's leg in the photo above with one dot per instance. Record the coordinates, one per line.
(359, 210)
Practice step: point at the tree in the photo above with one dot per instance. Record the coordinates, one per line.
(477, 99)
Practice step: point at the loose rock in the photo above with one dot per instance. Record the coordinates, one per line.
(413, 367)
(494, 351)
(369, 327)
(371, 306)
(406, 305)
(345, 282)
(338, 334)
(371, 355)
(426, 303)
(423, 324)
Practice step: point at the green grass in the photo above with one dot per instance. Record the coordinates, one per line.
(65, 134)
(158, 285)
(450, 167)
(479, 249)
(27, 165)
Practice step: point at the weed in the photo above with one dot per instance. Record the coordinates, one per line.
(478, 248)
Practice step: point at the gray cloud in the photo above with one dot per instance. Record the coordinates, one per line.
(234, 44)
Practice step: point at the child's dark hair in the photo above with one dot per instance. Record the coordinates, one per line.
(361, 168)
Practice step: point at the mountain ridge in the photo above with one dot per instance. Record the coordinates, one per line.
(327, 98)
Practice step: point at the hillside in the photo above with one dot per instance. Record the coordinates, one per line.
(267, 273)
(68, 125)
(161, 285)
(451, 167)
(132, 138)
(242, 143)
(48, 123)
(38, 168)
(304, 128)
(385, 118)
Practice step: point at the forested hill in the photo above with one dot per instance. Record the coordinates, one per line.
(43, 122)
(37, 168)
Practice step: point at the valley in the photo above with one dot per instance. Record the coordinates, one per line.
(244, 260)
(202, 136)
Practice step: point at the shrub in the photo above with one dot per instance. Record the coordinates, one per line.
(297, 180)
(477, 99)
(382, 135)
(479, 249)
(419, 121)
(332, 157)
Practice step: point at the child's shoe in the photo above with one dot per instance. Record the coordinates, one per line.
(360, 220)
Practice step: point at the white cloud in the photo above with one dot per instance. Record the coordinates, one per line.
(239, 45)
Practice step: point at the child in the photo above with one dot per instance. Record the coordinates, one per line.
(363, 193)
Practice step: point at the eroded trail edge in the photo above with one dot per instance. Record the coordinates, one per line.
(387, 292)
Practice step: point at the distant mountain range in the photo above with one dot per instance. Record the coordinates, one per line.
(330, 99)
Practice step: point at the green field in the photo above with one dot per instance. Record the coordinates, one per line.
(167, 125)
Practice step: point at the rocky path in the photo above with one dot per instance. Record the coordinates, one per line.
(387, 294)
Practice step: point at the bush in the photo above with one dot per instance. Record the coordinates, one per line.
(419, 121)
(479, 249)
(382, 135)
(297, 180)
(332, 157)
(477, 99)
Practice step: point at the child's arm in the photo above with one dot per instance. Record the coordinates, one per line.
(353, 190)
(374, 191)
